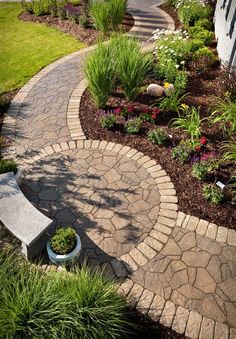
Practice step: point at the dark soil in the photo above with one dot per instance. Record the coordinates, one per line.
(189, 189)
(88, 35)
(5, 100)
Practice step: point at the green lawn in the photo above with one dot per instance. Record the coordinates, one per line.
(25, 47)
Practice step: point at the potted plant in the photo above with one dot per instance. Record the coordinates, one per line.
(64, 246)
(7, 165)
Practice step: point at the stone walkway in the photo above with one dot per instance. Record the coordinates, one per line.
(174, 267)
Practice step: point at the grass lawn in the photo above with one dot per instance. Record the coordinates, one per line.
(27, 47)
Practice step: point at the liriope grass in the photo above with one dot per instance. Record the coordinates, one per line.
(35, 304)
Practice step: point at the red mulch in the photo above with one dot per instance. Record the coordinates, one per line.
(88, 35)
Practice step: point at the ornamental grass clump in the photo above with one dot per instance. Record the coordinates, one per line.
(63, 241)
(79, 304)
(132, 65)
(100, 74)
(107, 15)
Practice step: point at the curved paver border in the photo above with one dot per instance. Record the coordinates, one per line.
(166, 220)
(169, 314)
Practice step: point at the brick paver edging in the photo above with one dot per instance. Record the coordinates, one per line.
(208, 229)
(180, 319)
(166, 220)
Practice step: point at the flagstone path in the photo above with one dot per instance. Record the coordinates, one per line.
(172, 266)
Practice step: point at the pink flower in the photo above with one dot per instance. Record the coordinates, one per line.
(203, 140)
(145, 110)
(156, 110)
(117, 111)
(130, 109)
(154, 116)
(197, 148)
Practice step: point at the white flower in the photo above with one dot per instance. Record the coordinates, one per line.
(177, 66)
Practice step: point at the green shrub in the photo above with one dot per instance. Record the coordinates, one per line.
(100, 74)
(131, 64)
(183, 151)
(7, 166)
(181, 81)
(166, 69)
(63, 241)
(41, 7)
(158, 136)
(205, 52)
(225, 114)
(75, 2)
(35, 304)
(212, 193)
(27, 6)
(133, 126)
(202, 34)
(61, 13)
(200, 170)
(190, 122)
(204, 23)
(196, 45)
(191, 11)
(108, 121)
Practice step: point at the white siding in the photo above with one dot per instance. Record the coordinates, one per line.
(224, 16)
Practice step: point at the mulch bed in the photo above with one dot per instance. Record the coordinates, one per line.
(203, 88)
(89, 35)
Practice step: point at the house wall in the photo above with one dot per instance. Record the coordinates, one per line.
(225, 30)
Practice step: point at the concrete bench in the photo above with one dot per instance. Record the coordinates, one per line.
(22, 218)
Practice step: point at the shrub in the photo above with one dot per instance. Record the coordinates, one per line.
(100, 74)
(190, 122)
(27, 6)
(7, 166)
(200, 170)
(158, 136)
(180, 83)
(183, 151)
(196, 45)
(35, 304)
(204, 23)
(166, 69)
(225, 114)
(63, 241)
(41, 7)
(202, 34)
(205, 52)
(108, 121)
(133, 126)
(190, 11)
(212, 193)
(132, 65)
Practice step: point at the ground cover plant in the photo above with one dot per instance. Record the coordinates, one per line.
(35, 304)
(185, 129)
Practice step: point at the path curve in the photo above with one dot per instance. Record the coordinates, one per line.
(180, 270)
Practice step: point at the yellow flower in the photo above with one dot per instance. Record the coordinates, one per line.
(166, 84)
(184, 106)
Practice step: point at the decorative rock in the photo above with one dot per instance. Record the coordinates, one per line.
(155, 90)
(169, 90)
